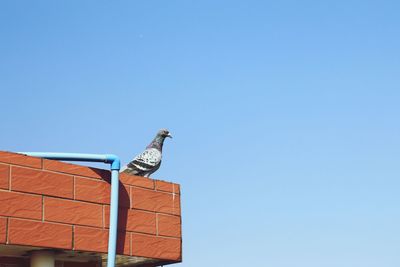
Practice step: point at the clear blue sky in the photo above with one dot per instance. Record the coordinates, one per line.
(285, 115)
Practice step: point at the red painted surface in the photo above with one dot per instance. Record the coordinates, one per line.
(42, 234)
(169, 225)
(156, 247)
(3, 230)
(133, 220)
(136, 181)
(84, 237)
(4, 176)
(155, 201)
(20, 205)
(84, 189)
(42, 182)
(167, 187)
(18, 159)
(73, 212)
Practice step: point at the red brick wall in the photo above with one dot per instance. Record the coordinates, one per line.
(53, 204)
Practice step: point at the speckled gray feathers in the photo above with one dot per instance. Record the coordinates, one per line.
(149, 160)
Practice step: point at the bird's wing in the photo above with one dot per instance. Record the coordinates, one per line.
(145, 162)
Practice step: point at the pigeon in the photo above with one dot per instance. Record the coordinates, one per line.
(149, 160)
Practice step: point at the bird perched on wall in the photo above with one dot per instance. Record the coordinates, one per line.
(149, 160)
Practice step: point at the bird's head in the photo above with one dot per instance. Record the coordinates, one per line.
(164, 133)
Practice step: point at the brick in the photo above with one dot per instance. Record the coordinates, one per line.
(74, 169)
(19, 159)
(155, 201)
(133, 220)
(90, 239)
(3, 230)
(124, 196)
(20, 205)
(73, 212)
(85, 187)
(41, 234)
(92, 190)
(4, 176)
(167, 187)
(156, 247)
(169, 225)
(95, 239)
(41, 182)
(136, 180)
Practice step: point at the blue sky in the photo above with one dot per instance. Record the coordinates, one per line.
(285, 115)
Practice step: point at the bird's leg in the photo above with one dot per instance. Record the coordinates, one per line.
(147, 175)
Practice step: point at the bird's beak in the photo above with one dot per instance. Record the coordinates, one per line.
(169, 135)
